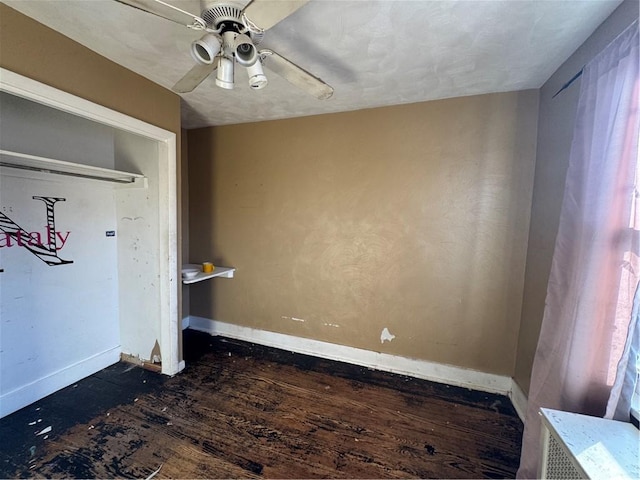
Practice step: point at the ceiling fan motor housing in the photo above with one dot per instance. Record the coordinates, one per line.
(228, 17)
(214, 13)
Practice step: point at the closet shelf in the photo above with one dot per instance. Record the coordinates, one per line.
(224, 272)
(24, 161)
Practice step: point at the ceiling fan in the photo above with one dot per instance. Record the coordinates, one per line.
(230, 39)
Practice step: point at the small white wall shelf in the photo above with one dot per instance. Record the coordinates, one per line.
(224, 272)
(24, 161)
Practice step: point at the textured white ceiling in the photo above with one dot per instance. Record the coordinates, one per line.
(373, 53)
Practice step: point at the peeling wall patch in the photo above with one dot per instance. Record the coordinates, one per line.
(335, 325)
(156, 356)
(386, 335)
(295, 319)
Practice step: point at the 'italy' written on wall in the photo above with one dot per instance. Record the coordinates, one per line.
(45, 245)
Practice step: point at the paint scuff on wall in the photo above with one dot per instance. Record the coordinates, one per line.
(386, 335)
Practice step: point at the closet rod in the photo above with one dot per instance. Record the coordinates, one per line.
(69, 174)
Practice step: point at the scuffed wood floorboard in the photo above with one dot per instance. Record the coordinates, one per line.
(245, 411)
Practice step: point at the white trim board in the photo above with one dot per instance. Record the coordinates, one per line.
(519, 400)
(436, 372)
(34, 391)
(516, 394)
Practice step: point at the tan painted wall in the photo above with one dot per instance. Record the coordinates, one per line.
(35, 51)
(556, 122)
(412, 217)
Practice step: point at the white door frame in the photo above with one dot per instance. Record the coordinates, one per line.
(30, 89)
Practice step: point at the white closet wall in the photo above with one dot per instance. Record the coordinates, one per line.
(29, 127)
(62, 322)
(58, 323)
(138, 252)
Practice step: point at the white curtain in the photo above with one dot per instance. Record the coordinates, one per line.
(596, 267)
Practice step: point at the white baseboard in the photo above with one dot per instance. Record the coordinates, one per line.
(423, 369)
(38, 389)
(519, 400)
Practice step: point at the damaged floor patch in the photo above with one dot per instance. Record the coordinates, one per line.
(275, 414)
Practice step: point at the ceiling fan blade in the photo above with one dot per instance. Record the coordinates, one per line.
(167, 11)
(296, 75)
(266, 13)
(194, 77)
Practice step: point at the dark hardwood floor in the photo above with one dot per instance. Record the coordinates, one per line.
(241, 411)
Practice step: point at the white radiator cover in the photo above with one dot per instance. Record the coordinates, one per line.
(556, 462)
(579, 446)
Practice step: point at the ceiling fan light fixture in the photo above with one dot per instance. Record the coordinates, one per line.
(204, 51)
(257, 78)
(245, 51)
(224, 76)
(232, 29)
